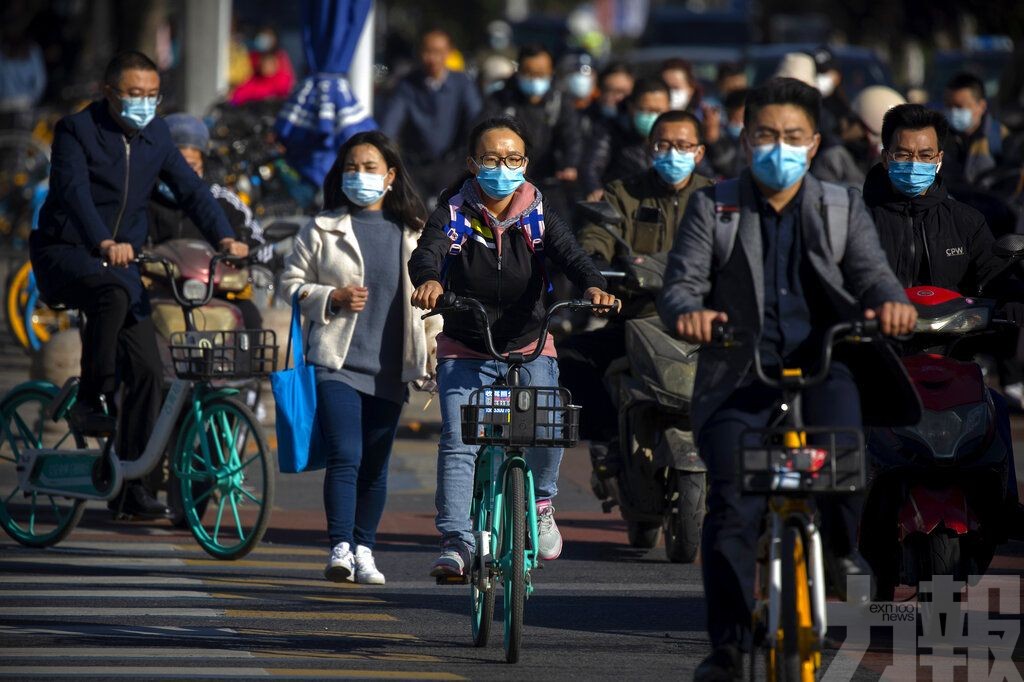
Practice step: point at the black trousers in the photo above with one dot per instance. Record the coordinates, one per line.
(733, 522)
(582, 361)
(118, 348)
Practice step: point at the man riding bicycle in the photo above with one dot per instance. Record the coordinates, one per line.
(105, 163)
(780, 256)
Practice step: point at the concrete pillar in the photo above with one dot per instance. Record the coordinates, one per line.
(360, 76)
(205, 38)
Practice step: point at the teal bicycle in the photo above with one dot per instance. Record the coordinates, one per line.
(221, 461)
(504, 419)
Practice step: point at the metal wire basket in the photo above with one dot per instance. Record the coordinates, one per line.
(521, 417)
(207, 355)
(827, 461)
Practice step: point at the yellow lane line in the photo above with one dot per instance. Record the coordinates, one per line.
(306, 615)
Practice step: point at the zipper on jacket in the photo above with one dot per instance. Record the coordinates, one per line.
(127, 175)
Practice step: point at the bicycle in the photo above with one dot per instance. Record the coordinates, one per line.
(220, 453)
(791, 463)
(503, 419)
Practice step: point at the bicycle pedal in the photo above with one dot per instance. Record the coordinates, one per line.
(453, 579)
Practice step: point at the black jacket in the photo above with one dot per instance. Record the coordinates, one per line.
(615, 151)
(551, 127)
(933, 238)
(513, 293)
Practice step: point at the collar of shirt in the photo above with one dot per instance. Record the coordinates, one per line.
(766, 209)
(436, 84)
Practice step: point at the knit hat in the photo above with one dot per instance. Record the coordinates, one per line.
(188, 131)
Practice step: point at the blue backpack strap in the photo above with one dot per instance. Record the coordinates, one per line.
(532, 227)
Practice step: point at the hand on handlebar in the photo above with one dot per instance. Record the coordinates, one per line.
(427, 295)
(118, 254)
(234, 248)
(698, 327)
(894, 318)
(599, 297)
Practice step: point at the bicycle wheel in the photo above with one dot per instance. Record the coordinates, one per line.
(226, 479)
(482, 600)
(513, 548)
(796, 656)
(30, 322)
(34, 519)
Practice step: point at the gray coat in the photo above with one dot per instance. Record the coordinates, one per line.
(693, 281)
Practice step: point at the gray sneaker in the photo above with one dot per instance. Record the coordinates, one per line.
(452, 562)
(549, 540)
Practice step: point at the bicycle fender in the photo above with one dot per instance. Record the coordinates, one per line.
(925, 508)
(39, 385)
(223, 392)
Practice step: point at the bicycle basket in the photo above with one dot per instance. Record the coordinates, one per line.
(830, 461)
(205, 355)
(522, 417)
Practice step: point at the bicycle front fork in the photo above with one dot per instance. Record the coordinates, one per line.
(815, 570)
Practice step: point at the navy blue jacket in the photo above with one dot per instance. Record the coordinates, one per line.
(430, 124)
(100, 185)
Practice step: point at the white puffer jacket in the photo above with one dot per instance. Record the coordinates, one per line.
(326, 257)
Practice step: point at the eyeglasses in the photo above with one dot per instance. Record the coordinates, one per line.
(766, 136)
(928, 157)
(663, 146)
(125, 95)
(492, 161)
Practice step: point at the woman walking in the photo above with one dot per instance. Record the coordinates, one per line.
(365, 340)
(500, 263)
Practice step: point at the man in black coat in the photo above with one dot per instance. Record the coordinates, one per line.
(105, 163)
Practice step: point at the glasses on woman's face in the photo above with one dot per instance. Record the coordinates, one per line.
(492, 161)
(903, 156)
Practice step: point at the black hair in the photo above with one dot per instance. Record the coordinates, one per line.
(677, 116)
(533, 50)
(401, 201)
(783, 91)
(735, 99)
(728, 70)
(126, 61)
(613, 68)
(912, 117)
(494, 123)
(969, 81)
(645, 86)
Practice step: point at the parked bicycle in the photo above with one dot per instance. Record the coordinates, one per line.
(504, 419)
(791, 464)
(221, 458)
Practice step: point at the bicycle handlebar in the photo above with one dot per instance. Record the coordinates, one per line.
(854, 331)
(450, 302)
(144, 258)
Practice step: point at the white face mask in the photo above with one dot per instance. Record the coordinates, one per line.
(826, 86)
(678, 99)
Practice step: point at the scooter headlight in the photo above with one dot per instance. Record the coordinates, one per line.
(193, 290)
(943, 432)
(960, 322)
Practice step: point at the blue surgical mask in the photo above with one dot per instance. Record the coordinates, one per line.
(498, 183)
(960, 118)
(138, 111)
(734, 130)
(674, 166)
(534, 87)
(643, 121)
(779, 165)
(363, 189)
(912, 177)
(263, 42)
(580, 85)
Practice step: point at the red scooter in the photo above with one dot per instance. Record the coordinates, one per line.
(937, 495)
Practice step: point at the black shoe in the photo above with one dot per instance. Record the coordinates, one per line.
(725, 664)
(136, 501)
(89, 420)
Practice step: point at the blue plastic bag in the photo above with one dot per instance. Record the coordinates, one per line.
(295, 397)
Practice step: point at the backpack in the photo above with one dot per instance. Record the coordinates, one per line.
(835, 207)
(460, 229)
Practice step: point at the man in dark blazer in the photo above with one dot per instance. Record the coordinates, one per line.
(781, 281)
(106, 160)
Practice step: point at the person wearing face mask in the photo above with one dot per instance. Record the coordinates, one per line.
(620, 148)
(347, 273)
(510, 236)
(273, 76)
(781, 283)
(106, 161)
(677, 75)
(652, 203)
(725, 153)
(976, 142)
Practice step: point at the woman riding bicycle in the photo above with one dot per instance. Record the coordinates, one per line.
(488, 239)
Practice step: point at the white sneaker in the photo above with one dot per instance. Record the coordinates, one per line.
(366, 569)
(340, 564)
(549, 539)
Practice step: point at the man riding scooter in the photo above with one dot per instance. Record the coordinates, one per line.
(930, 238)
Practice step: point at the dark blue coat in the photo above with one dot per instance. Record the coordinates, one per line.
(100, 185)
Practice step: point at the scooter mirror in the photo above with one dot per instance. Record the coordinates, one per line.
(1009, 246)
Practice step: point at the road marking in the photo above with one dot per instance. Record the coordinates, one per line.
(193, 653)
(120, 548)
(280, 582)
(104, 594)
(363, 674)
(144, 562)
(347, 600)
(38, 612)
(150, 581)
(180, 673)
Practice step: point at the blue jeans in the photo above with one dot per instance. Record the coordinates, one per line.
(456, 461)
(357, 430)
